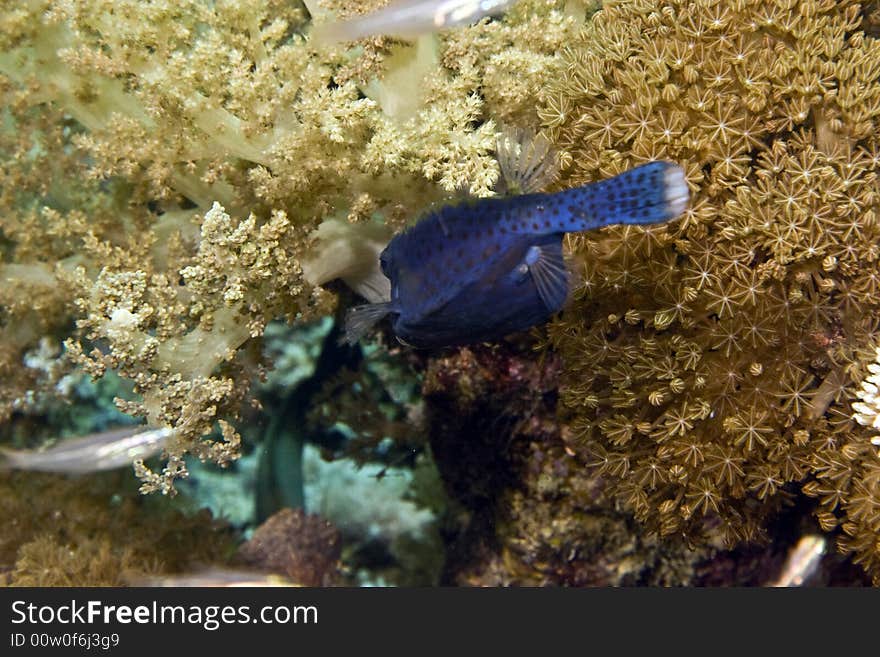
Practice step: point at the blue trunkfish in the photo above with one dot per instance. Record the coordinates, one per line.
(480, 270)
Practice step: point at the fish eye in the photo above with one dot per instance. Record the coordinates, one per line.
(384, 261)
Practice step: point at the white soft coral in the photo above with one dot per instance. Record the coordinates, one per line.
(867, 411)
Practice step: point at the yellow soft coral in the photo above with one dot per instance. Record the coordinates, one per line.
(165, 165)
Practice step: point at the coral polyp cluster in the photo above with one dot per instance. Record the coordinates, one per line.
(711, 364)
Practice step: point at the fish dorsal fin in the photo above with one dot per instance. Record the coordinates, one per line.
(548, 271)
(361, 319)
(528, 162)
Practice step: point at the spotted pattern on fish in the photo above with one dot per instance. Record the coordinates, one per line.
(479, 270)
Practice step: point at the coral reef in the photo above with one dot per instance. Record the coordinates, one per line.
(98, 531)
(341, 437)
(389, 517)
(526, 511)
(303, 547)
(710, 365)
(164, 165)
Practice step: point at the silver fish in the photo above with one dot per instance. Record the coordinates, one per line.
(802, 561)
(217, 577)
(410, 18)
(95, 452)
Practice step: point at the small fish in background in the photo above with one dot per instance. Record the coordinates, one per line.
(410, 18)
(95, 452)
(216, 578)
(802, 562)
(480, 270)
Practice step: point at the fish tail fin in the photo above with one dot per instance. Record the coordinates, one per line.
(648, 194)
(360, 319)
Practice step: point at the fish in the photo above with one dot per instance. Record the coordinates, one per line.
(802, 562)
(216, 578)
(94, 452)
(479, 270)
(410, 18)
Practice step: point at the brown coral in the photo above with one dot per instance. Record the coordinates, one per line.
(710, 365)
(304, 547)
(527, 512)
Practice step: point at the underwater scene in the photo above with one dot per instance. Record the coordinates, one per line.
(439, 293)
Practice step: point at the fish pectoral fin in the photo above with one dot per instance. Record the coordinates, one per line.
(361, 319)
(548, 271)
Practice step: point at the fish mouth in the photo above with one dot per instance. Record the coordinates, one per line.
(677, 192)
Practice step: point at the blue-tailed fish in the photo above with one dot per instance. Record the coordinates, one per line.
(92, 453)
(410, 18)
(480, 270)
